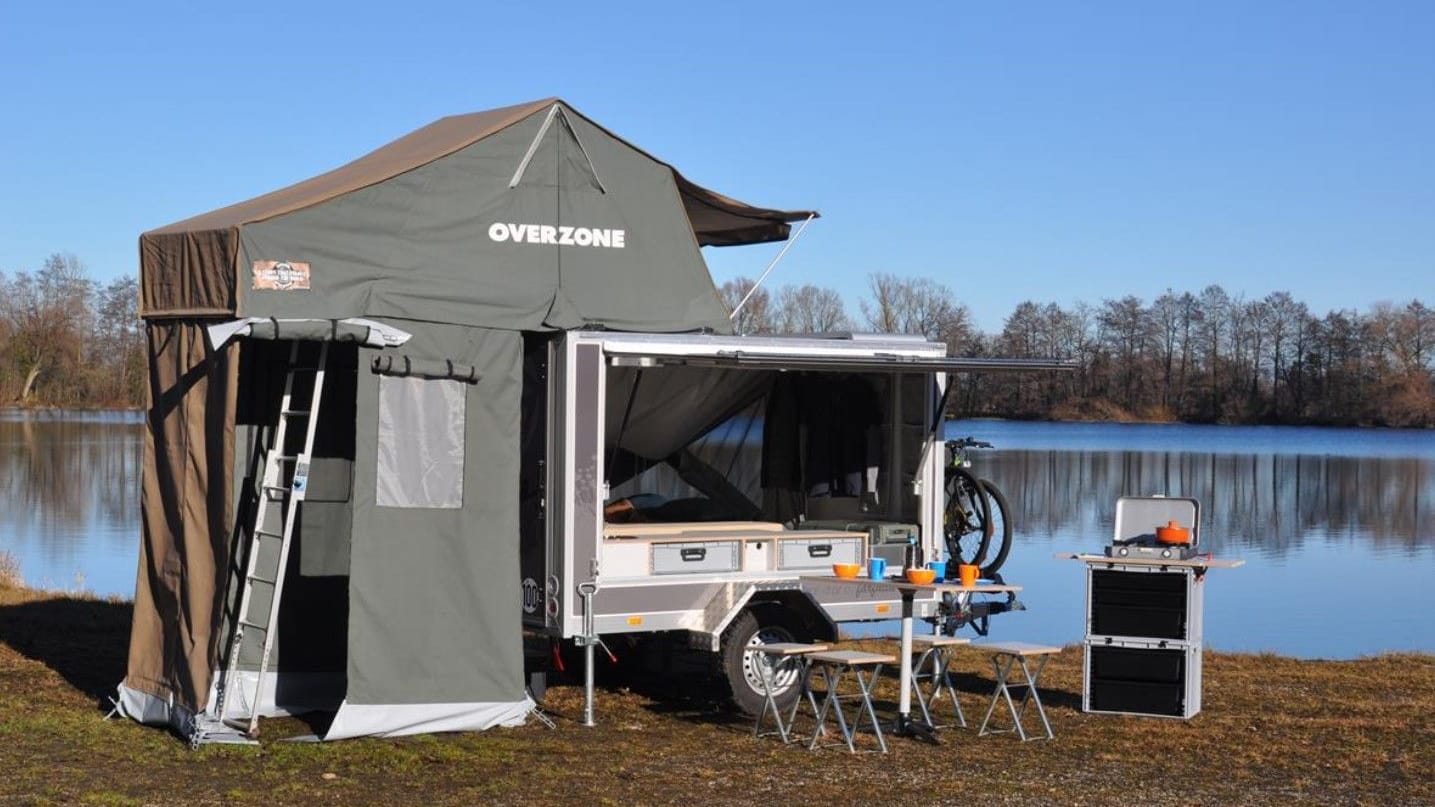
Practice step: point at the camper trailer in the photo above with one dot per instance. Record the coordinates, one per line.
(476, 380)
(693, 489)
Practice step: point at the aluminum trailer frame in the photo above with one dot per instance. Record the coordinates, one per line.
(704, 605)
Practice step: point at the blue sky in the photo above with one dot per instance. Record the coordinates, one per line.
(1049, 151)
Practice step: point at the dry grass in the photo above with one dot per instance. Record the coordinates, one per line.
(1274, 731)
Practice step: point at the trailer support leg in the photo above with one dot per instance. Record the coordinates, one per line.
(589, 639)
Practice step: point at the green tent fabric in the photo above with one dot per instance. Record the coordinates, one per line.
(530, 217)
(402, 611)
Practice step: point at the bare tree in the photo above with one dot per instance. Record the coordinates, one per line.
(49, 316)
(756, 315)
(119, 350)
(810, 309)
(918, 306)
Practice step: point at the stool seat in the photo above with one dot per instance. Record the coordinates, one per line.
(940, 641)
(1006, 658)
(835, 664)
(790, 648)
(852, 658)
(783, 657)
(931, 667)
(1019, 648)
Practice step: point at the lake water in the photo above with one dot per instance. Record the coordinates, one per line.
(1337, 526)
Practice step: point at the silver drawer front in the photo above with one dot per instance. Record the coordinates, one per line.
(818, 553)
(697, 556)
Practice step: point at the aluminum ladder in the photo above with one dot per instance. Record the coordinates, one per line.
(287, 489)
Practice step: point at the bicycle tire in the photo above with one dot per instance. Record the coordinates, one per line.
(999, 512)
(966, 523)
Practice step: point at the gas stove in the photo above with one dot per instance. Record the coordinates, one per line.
(1139, 518)
(1150, 549)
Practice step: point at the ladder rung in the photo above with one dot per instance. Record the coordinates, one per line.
(279, 488)
(294, 412)
(246, 623)
(285, 457)
(268, 534)
(262, 579)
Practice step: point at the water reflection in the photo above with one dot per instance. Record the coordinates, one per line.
(1335, 526)
(1272, 503)
(1305, 507)
(69, 497)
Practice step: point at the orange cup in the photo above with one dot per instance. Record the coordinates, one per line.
(968, 574)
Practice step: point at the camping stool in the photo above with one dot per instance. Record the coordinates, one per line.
(835, 664)
(1006, 656)
(935, 660)
(777, 658)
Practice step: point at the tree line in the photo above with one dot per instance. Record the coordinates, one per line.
(1207, 356)
(67, 340)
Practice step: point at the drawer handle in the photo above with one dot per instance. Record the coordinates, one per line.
(693, 554)
(819, 550)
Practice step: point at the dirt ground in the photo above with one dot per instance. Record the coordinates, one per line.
(1274, 731)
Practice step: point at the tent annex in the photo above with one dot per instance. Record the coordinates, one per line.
(423, 267)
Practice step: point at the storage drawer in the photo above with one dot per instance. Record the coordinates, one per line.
(1139, 604)
(1133, 678)
(697, 557)
(1154, 665)
(819, 553)
(1135, 697)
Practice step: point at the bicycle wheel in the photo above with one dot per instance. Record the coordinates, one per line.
(966, 522)
(1000, 524)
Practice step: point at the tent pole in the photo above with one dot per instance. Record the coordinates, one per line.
(770, 267)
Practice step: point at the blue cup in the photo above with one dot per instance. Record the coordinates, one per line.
(940, 567)
(877, 568)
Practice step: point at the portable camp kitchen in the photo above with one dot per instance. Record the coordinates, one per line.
(1145, 613)
(512, 319)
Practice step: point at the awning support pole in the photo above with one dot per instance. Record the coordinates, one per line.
(773, 265)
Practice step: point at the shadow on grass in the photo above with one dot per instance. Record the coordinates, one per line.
(85, 641)
(984, 688)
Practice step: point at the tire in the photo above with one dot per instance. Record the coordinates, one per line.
(965, 520)
(760, 624)
(1000, 523)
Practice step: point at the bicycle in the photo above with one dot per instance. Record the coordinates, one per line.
(976, 512)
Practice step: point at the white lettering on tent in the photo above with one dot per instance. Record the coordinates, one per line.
(559, 235)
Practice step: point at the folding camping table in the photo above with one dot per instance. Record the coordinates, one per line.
(908, 591)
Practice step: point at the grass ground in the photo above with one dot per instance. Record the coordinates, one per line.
(1274, 731)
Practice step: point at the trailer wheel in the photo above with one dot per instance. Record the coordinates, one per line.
(761, 624)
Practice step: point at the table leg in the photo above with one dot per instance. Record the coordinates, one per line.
(904, 701)
(905, 725)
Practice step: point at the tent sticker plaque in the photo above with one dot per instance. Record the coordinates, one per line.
(281, 275)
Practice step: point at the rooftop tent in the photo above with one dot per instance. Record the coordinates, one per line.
(423, 265)
(530, 217)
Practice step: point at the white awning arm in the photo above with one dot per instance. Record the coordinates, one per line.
(773, 265)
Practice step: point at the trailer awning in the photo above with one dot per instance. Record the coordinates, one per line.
(874, 363)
